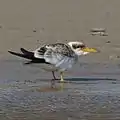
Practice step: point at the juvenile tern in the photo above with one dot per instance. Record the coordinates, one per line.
(60, 56)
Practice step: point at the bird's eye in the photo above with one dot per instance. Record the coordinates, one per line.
(74, 46)
(78, 46)
(82, 46)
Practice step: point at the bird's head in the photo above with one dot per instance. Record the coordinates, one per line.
(81, 49)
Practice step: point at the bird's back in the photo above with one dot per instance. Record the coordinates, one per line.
(58, 48)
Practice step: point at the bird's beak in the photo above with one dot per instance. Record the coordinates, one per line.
(90, 50)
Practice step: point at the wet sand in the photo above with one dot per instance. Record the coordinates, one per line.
(92, 92)
(25, 93)
(32, 23)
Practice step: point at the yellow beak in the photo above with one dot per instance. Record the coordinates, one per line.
(92, 50)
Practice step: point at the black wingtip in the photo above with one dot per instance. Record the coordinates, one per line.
(28, 55)
(11, 52)
(23, 50)
(18, 54)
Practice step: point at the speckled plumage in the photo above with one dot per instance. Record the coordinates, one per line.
(58, 54)
(58, 48)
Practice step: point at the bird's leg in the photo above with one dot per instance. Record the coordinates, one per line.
(53, 80)
(61, 81)
(53, 73)
(61, 77)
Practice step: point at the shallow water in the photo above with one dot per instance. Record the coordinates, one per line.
(91, 92)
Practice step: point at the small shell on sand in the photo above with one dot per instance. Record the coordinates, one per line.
(99, 33)
(34, 30)
(98, 30)
(108, 41)
(114, 57)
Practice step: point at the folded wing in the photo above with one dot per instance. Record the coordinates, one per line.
(57, 54)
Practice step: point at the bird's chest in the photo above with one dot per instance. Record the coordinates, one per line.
(68, 62)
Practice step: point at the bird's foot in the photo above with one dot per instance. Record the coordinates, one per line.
(62, 80)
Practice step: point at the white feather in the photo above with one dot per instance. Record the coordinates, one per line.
(37, 55)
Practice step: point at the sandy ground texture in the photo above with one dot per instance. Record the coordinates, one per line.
(25, 93)
(93, 93)
(31, 23)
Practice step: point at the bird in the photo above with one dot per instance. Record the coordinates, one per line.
(58, 56)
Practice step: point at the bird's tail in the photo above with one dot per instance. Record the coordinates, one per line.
(28, 55)
(25, 54)
(24, 51)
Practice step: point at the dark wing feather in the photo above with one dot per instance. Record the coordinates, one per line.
(21, 55)
(28, 55)
(24, 51)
